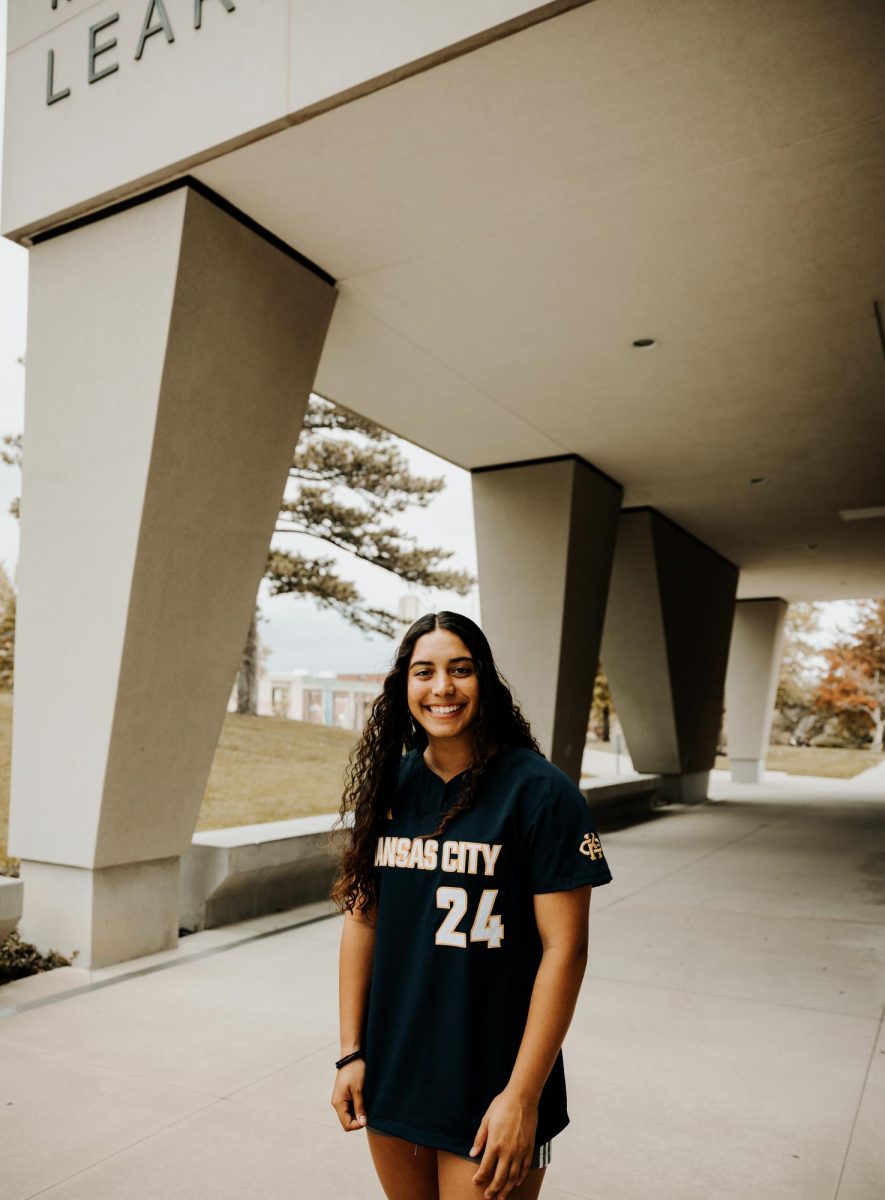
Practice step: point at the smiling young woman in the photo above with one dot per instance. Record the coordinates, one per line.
(465, 888)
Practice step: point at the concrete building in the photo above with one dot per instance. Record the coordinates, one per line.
(625, 262)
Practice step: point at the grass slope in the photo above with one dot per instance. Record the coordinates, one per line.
(265, 769)
(803, 760)
(832, 763)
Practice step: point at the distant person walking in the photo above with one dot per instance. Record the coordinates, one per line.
(466, 890)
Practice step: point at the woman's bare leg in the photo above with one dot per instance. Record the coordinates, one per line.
(406, 1172)
(455, 1176)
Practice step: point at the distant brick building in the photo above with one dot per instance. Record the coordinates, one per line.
(342, 701)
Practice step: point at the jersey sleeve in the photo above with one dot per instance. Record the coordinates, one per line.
(563, 849)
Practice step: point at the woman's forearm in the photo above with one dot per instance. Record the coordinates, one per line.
(552, 1006)
(354, 976)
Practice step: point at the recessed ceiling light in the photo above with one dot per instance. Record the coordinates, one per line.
(644, 343)
(862, 514)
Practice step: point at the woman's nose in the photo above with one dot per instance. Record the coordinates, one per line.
(443, 685)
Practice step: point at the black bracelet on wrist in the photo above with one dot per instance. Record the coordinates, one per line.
(342, 1062)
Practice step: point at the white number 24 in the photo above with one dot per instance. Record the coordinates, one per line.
(487, 926)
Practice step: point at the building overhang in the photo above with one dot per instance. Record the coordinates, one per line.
(509, 202)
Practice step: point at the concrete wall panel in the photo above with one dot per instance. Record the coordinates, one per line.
(665, 644)
(697, 590)
(246, 332)
(634, 651)
(545, 538)
(95, 369)
(751, 683)
(160, 426)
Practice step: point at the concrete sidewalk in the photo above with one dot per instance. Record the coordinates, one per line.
(728, 1042)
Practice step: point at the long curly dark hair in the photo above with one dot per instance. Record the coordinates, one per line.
(390, 732)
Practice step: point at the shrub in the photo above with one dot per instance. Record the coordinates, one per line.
(18, 959)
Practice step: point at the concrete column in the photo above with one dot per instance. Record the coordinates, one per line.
(264, 693)
(171, 351)
(545, 536)
(296, 702)
(665, 648)
(751, 684)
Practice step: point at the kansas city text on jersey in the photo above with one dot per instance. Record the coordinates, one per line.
(423, 854)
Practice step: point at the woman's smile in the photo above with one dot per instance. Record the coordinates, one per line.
(447, 710)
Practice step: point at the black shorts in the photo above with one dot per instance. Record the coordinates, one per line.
(541, 1157)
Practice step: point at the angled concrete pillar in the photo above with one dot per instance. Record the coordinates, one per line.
(665, 648)
(171, 351)
(751, 684)
(545, 536)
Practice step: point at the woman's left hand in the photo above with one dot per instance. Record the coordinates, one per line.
(507, 1135)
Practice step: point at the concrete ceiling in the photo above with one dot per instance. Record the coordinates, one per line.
(504, 226)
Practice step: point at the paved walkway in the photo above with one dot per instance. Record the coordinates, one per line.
(728, 1041)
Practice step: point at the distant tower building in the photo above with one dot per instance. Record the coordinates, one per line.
(409, 609)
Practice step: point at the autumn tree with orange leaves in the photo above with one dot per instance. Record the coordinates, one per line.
(855, 678)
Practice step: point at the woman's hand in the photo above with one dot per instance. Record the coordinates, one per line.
(347, 1095)
(507, 1134)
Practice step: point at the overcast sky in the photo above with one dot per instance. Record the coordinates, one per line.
(297, 633)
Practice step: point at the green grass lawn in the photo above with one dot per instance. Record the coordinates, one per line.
(816, 760)
(265, 769)
(804, 760)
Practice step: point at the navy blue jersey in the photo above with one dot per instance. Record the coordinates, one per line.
(457, 946)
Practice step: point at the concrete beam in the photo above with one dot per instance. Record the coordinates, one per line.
(545, 536)
(171, 352)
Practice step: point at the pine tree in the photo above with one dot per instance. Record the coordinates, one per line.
(11, 454)
(348, 482)
(247, 676)
(795, 692)
(602, 708)
(7, 630)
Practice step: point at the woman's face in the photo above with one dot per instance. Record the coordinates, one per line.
(443, 689)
